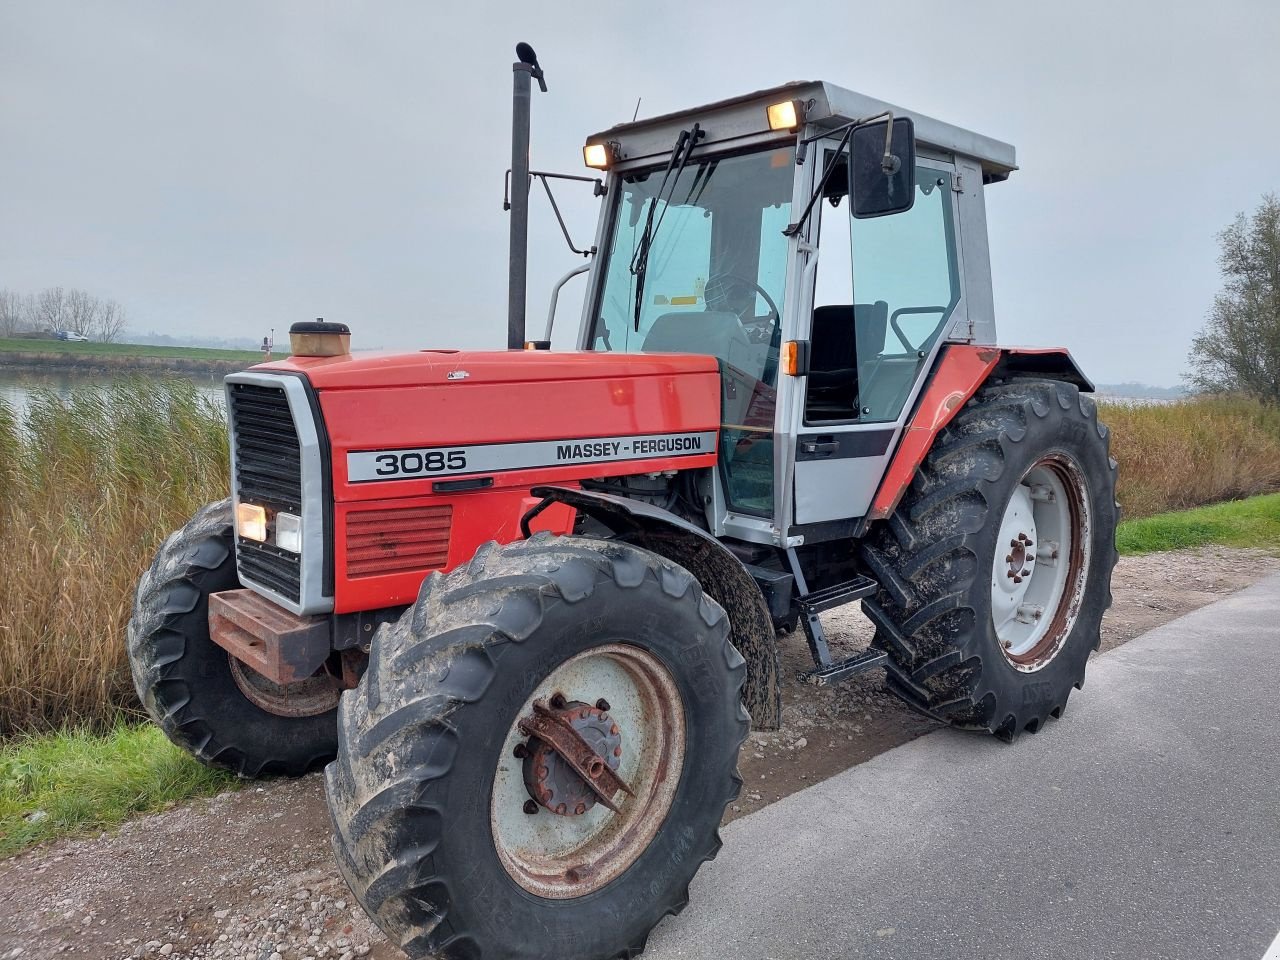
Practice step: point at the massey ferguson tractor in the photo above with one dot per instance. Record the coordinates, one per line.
(525, 603)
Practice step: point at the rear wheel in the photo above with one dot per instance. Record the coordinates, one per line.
(206, 701)
(995, 569)
(465, 817)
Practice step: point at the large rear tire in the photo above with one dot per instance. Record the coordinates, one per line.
(437, 831)
(194, 690)
(995, 569)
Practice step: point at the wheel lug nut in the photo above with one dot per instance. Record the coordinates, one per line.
(521, 751)
(580, 809)
(602, 704)
(530, 807)
(1017, 579)
(1009, 558)
(557, 701)
(1015, 543)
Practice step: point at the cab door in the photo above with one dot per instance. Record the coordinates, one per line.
(886, 292)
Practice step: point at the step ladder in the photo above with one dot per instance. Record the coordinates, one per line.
(825, 670)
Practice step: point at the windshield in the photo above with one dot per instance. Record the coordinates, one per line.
(713, 279)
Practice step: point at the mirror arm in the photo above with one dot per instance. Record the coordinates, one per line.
(889, 164)
(795, 228)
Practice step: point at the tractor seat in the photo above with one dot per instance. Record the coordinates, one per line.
(715, 333)
(842, 333)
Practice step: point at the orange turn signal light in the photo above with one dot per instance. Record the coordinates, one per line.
(790, 358)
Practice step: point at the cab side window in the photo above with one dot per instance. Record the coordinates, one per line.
(867, 352)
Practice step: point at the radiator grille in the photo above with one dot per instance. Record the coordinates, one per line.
(268, 471)
(403, 540)
(268, 458)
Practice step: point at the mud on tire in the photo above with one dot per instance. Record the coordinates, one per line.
(412, 792)
(934, 560)
(185, 680)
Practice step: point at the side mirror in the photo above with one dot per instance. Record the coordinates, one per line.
(882, 181)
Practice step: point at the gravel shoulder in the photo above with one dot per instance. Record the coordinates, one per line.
(249, 874)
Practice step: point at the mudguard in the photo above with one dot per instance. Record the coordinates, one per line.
(961, 370)
(722, 575)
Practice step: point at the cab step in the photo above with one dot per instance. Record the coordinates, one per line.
(838, 595)
(811, 604)
(866, 660)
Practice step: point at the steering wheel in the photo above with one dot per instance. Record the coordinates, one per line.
(765, 329)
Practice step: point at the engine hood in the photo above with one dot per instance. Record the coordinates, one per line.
(428, 367)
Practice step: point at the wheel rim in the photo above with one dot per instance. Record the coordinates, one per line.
(305, 698)
(571, 855)
(1040, 563)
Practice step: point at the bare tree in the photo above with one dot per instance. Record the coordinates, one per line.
(13, 312)
(1239, 346)
(81, 314)
(51, 309)
(110, 320)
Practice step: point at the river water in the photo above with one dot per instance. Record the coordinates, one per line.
(17, 387)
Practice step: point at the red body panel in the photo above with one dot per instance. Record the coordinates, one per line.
(961, 371)
(436, 399)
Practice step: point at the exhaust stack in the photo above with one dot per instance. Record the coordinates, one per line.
(524, 71)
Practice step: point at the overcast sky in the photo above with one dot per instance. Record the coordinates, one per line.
(223, 168)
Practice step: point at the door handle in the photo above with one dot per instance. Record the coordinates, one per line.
(820, 447)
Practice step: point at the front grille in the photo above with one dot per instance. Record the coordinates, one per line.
(403, 540)
(268, 459)
(268, 472)
(270, 567)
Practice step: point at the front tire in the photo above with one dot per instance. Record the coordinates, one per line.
(989, 623)
(436, 832)
(194, 690)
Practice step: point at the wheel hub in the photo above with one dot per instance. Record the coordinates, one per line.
(615, 799)
(560, 775)
(1032, 581)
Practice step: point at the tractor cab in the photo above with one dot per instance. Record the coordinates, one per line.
(823, 247)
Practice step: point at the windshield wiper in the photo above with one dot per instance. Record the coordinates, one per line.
(684, 145)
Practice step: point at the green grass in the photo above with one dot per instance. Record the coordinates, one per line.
(125, 350)
(64, 784)
(1254, 522)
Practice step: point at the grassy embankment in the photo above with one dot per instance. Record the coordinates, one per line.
(93, 349)
(90, 486)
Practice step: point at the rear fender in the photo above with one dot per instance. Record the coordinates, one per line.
(961, 371)
(721, 574)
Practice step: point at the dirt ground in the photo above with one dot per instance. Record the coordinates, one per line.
(249, 874)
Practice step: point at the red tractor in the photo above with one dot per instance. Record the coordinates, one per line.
(525, 603)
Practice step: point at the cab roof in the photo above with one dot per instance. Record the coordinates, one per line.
(826, 106)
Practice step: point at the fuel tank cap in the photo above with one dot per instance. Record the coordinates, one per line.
(318, 338)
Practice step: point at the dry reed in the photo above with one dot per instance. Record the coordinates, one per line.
(89, 487)
(1197, 451)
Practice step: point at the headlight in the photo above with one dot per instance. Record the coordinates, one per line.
(251, 521)
(289, 532)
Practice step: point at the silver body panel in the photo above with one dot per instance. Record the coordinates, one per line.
(311, 567)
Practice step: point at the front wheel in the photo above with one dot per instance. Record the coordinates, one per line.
(538, 757)
(995, 569)
(205, 700)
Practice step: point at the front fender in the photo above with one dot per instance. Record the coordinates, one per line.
(961, 370)
(721, 574)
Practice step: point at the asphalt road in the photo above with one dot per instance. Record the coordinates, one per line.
(1145, 824)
